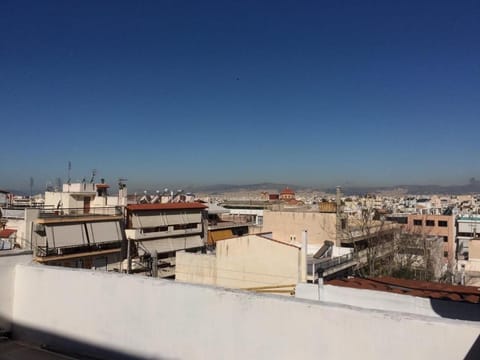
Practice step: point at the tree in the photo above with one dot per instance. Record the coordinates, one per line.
(372, 240)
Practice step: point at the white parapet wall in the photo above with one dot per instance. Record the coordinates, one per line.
(381, 300)
(151, 318)
(9, 259)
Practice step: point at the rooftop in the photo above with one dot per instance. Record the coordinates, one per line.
(167, 206)
(425, 289)
(5, 233)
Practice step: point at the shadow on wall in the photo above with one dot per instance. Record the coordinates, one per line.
(67, 346)
(474, 352)
(456, 309)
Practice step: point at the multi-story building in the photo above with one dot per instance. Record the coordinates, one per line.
(85, 198)
(435, 225)
(78, 240)
(468, 227)
(160, 230)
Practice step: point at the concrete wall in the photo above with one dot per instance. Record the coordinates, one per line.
(381, 300)
(474, 250)
(242, 262)
(284, 224)
(149, 318)
(195, 268)
(253, 261)
(8, 260)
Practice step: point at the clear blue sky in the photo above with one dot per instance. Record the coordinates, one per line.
(204, 92)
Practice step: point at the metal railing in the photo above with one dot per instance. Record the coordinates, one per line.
(320, 265)
(73, 212)
(229, 224)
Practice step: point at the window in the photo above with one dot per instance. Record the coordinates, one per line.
(430, 223)
(185, 226)
(154, 229)
(442, 223)
(417, 222)
(445, 254)
(445, 239)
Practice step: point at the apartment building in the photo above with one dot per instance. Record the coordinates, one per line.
(81, 241)
(435, 225)
(165, 228)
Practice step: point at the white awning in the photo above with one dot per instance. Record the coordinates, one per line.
(66, 235)
(171, 244)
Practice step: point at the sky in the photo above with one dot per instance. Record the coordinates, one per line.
(317, 93)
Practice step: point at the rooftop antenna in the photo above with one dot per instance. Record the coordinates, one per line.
(31, 186)
(92, 179)
(69, 170)
(121, 183)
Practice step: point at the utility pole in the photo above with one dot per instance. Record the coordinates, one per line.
(155, 264)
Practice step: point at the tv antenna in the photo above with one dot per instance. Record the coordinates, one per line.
(69, 170)
(92, 179)
(121, 182)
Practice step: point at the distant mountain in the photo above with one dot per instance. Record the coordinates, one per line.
(220, 188)
(471, 188)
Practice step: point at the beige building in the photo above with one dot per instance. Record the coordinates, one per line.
(84, 241)
(471, 267)
(250, 261)
(288, 226)
(165, 228)
(437, 225)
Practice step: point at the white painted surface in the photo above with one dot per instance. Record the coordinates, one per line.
(285, 224)
(8, 260)
(164, 319)
(243, 262)
(381, 300)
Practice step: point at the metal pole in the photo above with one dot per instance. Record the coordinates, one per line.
(304, 257)
(129, 260)
(155, 264)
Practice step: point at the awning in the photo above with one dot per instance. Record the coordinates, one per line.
(170, 244)
(217, 235)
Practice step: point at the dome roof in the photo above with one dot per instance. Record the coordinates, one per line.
(287, 191)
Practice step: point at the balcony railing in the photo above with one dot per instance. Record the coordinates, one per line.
(43, 251)
(317, 266)
(50, 212)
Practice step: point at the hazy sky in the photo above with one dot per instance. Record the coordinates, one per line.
(204, 92)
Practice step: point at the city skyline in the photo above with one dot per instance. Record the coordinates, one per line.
(309, 93)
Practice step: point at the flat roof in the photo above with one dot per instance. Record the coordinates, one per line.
(418, 288)
(10, 350)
